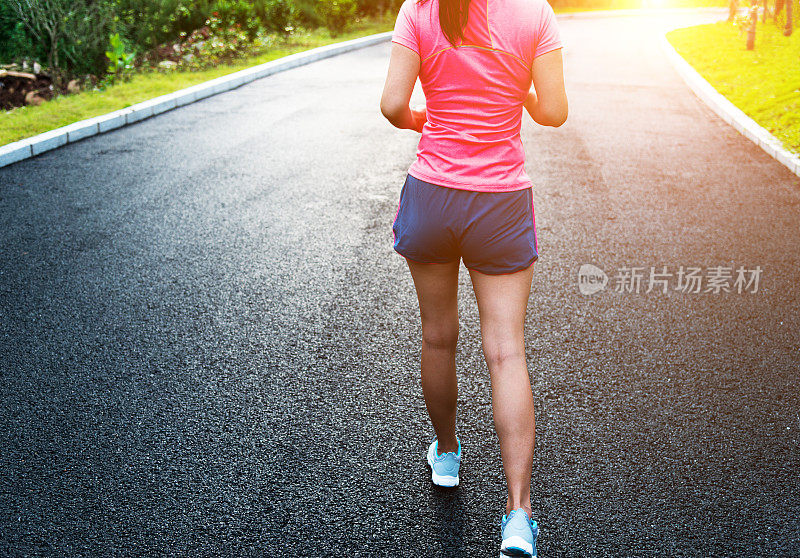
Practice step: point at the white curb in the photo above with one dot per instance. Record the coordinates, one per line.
(729, 112)
(30, 147)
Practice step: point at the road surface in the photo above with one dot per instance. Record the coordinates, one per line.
(209, 347)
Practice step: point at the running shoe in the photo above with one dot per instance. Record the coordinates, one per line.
(519, 533)
(444, 466)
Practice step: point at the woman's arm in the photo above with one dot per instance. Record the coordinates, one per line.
(404, 66)
(547, 105)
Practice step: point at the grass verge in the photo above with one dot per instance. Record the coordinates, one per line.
(764, 83)
(24, 122)
(603, 5)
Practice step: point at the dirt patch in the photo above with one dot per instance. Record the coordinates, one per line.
(16, 86)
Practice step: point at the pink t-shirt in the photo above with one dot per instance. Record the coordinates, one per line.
(474, 93)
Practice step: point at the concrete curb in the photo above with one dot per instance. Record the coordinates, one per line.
(30, 147)
(729, 112)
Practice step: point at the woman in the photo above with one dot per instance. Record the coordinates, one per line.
(467, 196)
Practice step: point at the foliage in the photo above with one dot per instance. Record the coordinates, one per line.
(215, 44)
(14, 41)
(69, 38)
(279, 16)
(224, 42)
(306, 13)
(120, 61)
(336, 14)
(744, 20)
(239, 13)
(148, 23)
(68, 34)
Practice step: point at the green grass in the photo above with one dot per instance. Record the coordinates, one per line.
(764, 83)
(27, 121)
(598, 5)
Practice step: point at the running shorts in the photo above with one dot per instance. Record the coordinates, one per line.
(493, 232)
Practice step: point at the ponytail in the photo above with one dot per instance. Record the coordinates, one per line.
(453, 16)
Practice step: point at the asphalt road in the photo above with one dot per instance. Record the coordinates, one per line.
(209, 347)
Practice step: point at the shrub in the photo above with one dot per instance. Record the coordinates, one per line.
(241, 12)
(223, 43)
(336, 14)
(306, 13)
(149, 23)
(377, 7)
(14, 41)
(68, 36)
(277, 15)
(120, 61)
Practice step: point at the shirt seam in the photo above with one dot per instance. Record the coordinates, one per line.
(557, 46)
(405, 43)
(462, 186)
(515, 57)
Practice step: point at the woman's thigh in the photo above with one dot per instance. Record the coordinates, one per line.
(437, 292)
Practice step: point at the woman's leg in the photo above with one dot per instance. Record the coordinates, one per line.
(502, 302)
(437, 289)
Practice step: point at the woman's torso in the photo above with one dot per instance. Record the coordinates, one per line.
(475, 93)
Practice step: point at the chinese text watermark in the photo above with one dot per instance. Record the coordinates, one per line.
(685, 279)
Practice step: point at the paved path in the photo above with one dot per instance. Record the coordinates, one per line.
(209, 347)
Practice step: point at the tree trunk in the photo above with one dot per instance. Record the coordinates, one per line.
(751, 31)
(789, 23)
(52, 55)
(733, 7)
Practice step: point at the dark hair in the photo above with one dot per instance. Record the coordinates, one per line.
(453, 16)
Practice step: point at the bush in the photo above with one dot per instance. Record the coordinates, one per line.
(377, 7)
(15, 44)
(224, 44)
(278, 16)
(306, 13)
(241, 12)
(148, 23)
(336, 14)
(67, 36)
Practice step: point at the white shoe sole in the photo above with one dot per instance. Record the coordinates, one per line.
(516, 546)
(441, 480)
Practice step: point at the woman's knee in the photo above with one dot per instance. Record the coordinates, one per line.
(501, 352)
(442, 337)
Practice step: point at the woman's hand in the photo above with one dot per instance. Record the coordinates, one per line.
(420, 115)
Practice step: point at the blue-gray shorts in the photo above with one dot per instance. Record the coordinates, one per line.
(493, 232)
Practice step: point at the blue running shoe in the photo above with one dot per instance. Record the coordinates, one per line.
(519, 533)
(444, 467)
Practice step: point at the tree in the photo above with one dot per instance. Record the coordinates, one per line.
(733, 7)
(752, 23)
(787, 30)
(779, 6)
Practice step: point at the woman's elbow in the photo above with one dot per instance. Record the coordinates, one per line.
(390, 110)
(556, 116)
(559, 119)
